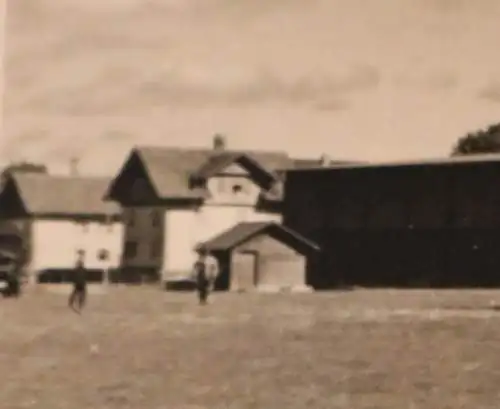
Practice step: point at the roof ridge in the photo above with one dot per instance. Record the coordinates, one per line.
(431, 161)
(209, 149)
(244, 231)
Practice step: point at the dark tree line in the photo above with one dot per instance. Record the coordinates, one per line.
(482, 141)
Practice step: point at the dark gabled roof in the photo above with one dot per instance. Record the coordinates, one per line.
(267, 161)
(234, 236)
(171, 169)
(244, 231)
(214, 164)
(65, 195)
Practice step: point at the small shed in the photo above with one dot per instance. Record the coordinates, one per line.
(261, 256)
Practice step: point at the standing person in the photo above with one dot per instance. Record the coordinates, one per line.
(212, 267)
(13, 281)
(206, 271)
(79, 294)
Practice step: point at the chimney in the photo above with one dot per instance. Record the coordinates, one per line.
(325, 160)
(219, 143)
(73, 166)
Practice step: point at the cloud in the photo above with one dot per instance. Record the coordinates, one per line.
(443, 6)
(205, 86)
(334, 104)
(118, 136)
(491, 92)
(24, 143)
(262, 86)
(244, 10)
(431, 81)
(54, 145)
(441, 81)
(452, 8)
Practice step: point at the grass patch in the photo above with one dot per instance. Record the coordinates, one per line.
(143, 348)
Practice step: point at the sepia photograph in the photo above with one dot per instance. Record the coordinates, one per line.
(235, 204)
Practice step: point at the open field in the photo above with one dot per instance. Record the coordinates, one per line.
(144, 349)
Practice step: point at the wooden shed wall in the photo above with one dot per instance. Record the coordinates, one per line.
(277, 264)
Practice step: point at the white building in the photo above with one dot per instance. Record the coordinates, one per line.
(175, 198)
(60, 216)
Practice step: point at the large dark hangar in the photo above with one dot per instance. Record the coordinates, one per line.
(432, 223)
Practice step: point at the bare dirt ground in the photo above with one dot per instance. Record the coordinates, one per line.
(142, 348)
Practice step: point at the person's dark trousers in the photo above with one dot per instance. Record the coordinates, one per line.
(13, 287)
(203, 292)
(78, 296)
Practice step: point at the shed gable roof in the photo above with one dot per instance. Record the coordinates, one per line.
(48, 194)
(243, 232)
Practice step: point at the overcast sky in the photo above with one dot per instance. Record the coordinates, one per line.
(358, 79)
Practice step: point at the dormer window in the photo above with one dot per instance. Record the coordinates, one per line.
(237, 189)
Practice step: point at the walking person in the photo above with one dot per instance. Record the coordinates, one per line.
(206, 270)
(78, 296)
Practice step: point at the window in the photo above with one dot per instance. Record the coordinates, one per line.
(237, 189)
(156, 249)
(103, 255)
(155, 218)
(131, 249)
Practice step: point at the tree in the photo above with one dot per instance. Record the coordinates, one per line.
(481, 141)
